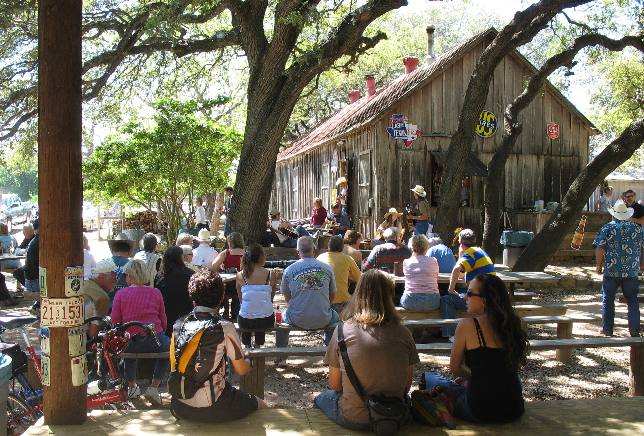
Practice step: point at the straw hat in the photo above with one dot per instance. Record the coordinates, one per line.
(620, 211)
(203, 236)
(340, 181)
(122, 237)
(420, 191)
(390, 212)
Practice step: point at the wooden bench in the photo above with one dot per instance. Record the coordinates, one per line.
(520, 309)
(615, 416)
(253, 382)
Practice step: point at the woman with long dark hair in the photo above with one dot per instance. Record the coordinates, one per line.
(255, 288)
(489, 349)
(172, 280)
(381, 351)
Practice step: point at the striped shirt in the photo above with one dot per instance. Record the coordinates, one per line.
(475, 262)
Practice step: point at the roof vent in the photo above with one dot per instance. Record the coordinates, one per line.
(354, 95)
(370, 81)
(431, 57)
(411, 62)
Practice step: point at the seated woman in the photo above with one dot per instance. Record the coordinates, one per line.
(392, 219)
(139, 302)
(382, 353)
(488, 351)
(352, 245)
(255, 288)
(229, 260)
(8, 244)
(215, 401)
(318, 214)
(421, 278)
(172, 280)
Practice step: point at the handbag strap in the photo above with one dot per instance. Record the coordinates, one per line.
(347, 363)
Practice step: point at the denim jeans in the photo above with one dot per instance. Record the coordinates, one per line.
(421, 227)
(302, 231)
(450, 305)
(630, 287)
(456, 392)
(32, 285)
(420, 300)
(327, 402)
(281, 336)
(147, 345)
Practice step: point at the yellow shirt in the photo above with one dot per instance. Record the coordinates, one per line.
(345, 269)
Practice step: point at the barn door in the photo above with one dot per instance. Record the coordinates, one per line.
(364, 184)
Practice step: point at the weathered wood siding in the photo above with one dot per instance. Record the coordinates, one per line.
(540, 168)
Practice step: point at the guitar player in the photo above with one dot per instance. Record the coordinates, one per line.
(284, 231)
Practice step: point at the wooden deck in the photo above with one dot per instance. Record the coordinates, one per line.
(589, 417)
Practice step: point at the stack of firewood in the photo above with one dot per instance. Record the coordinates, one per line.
(142, 220)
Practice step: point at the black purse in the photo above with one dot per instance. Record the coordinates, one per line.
(386, 414)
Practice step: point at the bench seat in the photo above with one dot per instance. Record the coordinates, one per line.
(617, 416)
(521, 310)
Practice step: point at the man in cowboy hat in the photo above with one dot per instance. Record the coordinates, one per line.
(421, 211)
(339, 219)
(204, 254)
(618, 255)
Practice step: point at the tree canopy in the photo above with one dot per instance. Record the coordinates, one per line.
(159, 164)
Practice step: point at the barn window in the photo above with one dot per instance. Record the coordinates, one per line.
(364, 183)
(295, 198)
(324, 186)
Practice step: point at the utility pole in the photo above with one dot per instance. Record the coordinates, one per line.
(60, 196)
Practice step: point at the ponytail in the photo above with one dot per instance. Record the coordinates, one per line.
(251, 257)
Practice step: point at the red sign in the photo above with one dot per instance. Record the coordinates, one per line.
(552, 130)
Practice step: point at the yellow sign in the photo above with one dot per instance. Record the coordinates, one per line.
(487, 125)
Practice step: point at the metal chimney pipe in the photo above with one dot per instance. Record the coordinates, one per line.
(431, 57)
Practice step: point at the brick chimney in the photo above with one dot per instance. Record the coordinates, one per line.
(370, 81)
(411, 62)
(354, 95)
(431, 57)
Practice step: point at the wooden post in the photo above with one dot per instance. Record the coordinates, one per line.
(60, 195)
(564, 331)
(637, 371)
(253, 382)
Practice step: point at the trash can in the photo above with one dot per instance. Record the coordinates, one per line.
(5, 376)
(514, 242)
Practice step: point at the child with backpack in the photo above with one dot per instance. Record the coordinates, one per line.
(201, 341)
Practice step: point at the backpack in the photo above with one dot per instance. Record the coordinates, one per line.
(193, 350)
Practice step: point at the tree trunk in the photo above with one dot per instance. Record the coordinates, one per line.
(545, 244)
(493, 207)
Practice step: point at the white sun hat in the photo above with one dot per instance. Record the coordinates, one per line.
(420, 191)
(621, 211)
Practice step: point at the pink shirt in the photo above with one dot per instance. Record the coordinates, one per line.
(139, 303)
(421, 274)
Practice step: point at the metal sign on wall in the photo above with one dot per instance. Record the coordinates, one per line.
(402, 129)
(552, 130)
(487, 124)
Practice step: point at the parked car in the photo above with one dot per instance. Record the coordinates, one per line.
(12, 208)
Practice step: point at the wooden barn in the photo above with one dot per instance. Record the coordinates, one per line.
(355, 142)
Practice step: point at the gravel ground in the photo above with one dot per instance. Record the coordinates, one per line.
(592, 373)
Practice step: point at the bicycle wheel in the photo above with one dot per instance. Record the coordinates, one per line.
(19, 416)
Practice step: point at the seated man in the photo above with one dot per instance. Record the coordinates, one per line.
(386, 256)
(339, 219)
(32, 283)
(122, 249)
(204, 254)
(96, 289)
(345, 270)
(19, 273)
(216, 400)
(284, 231)
(444, 256)
(308, 287)
(472, 261)
(188, 255)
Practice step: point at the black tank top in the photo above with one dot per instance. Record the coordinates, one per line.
(494, 390)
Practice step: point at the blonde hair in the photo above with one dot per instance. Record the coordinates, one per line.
(136, 270)
(419, 244)
(372, 302)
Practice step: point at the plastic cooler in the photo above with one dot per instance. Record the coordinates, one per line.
(5, 376)
(514, 242)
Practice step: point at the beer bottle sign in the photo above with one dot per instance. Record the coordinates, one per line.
(578, 237)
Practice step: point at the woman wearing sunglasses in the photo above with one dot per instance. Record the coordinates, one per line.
(489, 349)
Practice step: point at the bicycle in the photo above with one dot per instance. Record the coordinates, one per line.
(109, 390)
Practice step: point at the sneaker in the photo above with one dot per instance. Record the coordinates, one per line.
(152, 395)
(601, 332)
(133, 392)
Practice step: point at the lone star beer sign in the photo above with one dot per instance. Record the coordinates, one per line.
(552, 130)
(401, 129)
(486, 127)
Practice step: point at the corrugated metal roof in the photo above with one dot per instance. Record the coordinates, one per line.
(366, 109)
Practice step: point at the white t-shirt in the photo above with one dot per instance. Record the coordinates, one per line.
(203, 255)
(200, 215)
(88, 264)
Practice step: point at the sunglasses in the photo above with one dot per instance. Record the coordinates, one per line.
(473, 294)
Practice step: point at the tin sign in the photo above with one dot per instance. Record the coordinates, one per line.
(487, 124)
(401, 129)
(77, 340)
(552, 130)
(62, 312)
(42, 281)
(79, 370)
(44, 340)
(45, 369)
(73, 280)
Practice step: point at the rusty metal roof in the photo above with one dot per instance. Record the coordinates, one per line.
(367, 109)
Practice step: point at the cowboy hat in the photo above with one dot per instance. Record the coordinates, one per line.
(391, 211)
(122, 237)
(203, 236)
(419, 190)
(340, 180)
(620, 211)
